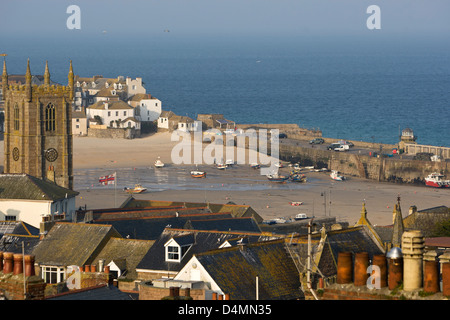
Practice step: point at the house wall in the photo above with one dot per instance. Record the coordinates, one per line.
(31, 211)
(110, 115)
(134, 86)
(149, 109)
(79, 126)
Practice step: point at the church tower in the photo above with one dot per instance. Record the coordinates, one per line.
(38, 128)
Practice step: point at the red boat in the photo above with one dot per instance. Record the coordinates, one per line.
(436, 180)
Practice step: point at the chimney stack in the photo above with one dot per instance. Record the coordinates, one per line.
(412, 249)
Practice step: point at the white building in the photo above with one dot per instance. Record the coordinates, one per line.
(79, 122)
(147, 108)
(114, 114)
(29, 199)
(170, 121)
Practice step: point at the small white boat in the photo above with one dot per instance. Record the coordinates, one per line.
(336, 176)
(159, 163)
(221, 166)
(301, 216)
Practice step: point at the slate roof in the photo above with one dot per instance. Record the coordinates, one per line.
(21, 186)
(112, 105)
(355, 239)
(235, 270)
(235, 210)
(73, 243)
(13, 233)
(129, 250)
(148, 225)
(203, 241)
(102, 292)
(227, 224)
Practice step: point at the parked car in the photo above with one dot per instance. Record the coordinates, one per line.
(333, 146)
(316, 141)
(342, 147)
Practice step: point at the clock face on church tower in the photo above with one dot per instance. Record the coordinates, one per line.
(51, 154)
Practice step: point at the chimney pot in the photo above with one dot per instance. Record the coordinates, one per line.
(29, 265)
(18, 264)
(431, 277)
(345, 267)
(361, 265)
(8, 262)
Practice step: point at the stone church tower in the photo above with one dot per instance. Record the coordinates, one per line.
(38, 128)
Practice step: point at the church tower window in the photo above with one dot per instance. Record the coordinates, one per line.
(16, 117)
(50, 117)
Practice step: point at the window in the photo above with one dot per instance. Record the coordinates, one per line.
(117, 113)
(52, 274)
(50, 117)
(109, 113)
(10, 218)
(16, 117)
(124, 113)
(172, 253)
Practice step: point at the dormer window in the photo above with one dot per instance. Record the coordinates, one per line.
(93, 84)
(120, 86)
(113, 92)
(78, 84)
(177, 247)
(107, 85)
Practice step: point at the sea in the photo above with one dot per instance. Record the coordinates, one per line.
(356, 88)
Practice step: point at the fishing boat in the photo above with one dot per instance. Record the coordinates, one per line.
(159, 163)
(300, 216)
(137, 189)
(296, 203)
(298, 178)
(198, 174)
(277, 178)
(336, 176)
(436, 180)
(221, 166)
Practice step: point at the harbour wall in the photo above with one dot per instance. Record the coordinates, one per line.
(364, 166)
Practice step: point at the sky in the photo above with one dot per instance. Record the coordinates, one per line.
(137, 18)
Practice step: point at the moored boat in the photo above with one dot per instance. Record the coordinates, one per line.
(198, 174)
(137, 189)
(300, 216)
(158, 163)
(436, 180)
(336, 176)
(298, 178)
(277, 178)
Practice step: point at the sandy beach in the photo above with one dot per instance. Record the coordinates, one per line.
(241, 184)
(133, 161)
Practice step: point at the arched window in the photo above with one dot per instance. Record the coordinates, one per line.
(16, 117)
(50, 117)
